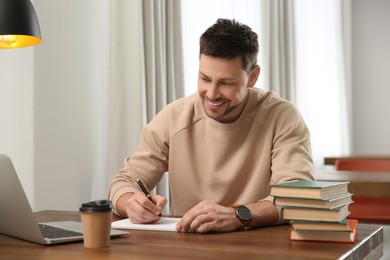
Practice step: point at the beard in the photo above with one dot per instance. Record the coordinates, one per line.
(220, 113)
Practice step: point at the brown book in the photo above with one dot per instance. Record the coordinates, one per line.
(331, 215)
(314, 203)
(326, 235)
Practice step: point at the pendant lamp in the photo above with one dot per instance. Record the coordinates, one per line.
(19, 26)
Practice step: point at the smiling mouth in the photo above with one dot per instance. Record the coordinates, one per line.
(215, 104)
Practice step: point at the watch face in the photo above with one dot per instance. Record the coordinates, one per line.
(244, 213)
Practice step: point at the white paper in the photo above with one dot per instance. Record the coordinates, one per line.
(165, 224)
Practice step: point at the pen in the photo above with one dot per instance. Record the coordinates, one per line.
(141, 185)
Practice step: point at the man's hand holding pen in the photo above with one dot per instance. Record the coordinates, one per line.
(142, 210)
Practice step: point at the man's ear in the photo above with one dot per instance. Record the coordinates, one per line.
(253, 76)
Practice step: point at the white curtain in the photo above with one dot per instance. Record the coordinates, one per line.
(305, 46)
(323, 74)
(145, 74)
(277, 47)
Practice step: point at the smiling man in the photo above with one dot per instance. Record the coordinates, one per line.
(222, 146)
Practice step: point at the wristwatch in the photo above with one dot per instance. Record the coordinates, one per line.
(243, 214)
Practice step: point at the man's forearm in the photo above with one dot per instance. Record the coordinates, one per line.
(264, 213)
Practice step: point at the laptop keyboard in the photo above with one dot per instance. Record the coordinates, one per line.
(55, 232)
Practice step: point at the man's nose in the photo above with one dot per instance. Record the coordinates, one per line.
(213, 91)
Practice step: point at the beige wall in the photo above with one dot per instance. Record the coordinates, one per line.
(16, 112)
(371, 76)
(49, 100)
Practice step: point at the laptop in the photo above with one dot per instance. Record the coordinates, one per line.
(17, 218)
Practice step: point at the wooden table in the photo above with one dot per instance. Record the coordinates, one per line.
(332, 160)
(371, 193)
(364, 184)
(261, 243)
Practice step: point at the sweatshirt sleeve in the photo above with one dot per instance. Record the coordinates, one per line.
(291, 149)
(149, 161)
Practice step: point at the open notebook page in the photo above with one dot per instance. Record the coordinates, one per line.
(165, 224)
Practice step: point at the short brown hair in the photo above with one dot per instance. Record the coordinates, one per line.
(229, 39)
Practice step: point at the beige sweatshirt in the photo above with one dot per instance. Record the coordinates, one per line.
(225, 163)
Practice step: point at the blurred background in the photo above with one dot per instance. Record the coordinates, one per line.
(72, 107)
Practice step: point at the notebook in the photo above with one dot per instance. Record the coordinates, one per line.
(164, 224)
(18, 220)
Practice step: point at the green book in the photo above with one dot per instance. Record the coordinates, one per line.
(309, 189)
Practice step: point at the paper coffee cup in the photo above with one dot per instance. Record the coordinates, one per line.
(96, 217)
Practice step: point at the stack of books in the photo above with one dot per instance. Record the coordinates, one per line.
(317, 210)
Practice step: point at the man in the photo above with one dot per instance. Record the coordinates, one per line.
(222, 146)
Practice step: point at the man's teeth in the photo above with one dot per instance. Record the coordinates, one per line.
(215, 104)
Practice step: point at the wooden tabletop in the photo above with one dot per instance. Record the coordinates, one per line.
(261, 243)
(364, 184)
(332, 159)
